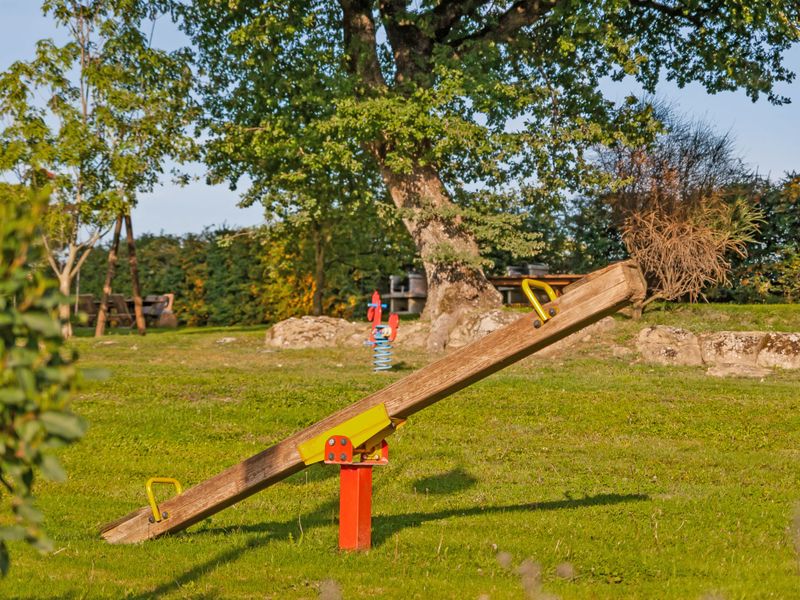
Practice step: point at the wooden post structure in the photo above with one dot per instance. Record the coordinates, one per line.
(135, 289)
(102, 313)
(599, 294)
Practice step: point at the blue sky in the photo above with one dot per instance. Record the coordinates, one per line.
(767, 136)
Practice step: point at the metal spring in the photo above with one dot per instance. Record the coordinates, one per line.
(381, 351)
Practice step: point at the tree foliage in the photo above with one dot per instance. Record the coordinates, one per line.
(679, 206)
(438, 99)
(264, 275)
(93, 119)
(36, 371)
(771, 271)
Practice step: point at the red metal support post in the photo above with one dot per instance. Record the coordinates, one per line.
(355, 507)
(355, 489)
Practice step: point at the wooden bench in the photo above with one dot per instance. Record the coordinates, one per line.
(157, 309)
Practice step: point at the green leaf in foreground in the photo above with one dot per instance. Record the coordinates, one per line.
(37, 376)
(52, 469)
(63, 424)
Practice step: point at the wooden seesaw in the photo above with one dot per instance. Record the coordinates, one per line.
(356, 433)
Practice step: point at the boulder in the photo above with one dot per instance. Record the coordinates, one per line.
(669, 346)
(477, 325)
(583, 336)
(329, 332)
(731, 347)
(412, 335)
(316, 332)
(780, 350)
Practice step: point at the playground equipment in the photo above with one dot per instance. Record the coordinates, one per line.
(365, 424)
(381, 336)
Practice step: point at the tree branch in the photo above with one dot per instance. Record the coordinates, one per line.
(411, 47)
(448, 13)
(360, 42)
(521, 14)
(89, 246)
(50, 259)
(672, 11)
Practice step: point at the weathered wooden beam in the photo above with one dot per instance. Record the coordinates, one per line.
(597, 295)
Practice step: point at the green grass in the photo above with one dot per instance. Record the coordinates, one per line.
(722, 317)
(651, 482)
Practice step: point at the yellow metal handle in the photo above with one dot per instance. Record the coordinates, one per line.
(158, 516)
(537, 306)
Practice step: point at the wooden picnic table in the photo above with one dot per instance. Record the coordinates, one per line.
(121, 309)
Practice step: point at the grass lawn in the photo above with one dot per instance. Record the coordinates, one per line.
(651, 482)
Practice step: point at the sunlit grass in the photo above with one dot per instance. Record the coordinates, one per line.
(581, 477)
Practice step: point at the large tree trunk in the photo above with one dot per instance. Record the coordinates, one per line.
(135, 290)
(102, 314)
(456, 284)
(455, 287)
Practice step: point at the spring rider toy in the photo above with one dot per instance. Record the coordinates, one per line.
(381, 336)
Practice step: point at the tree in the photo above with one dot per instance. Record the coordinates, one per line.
(312, 214)
(681, 206)
(591, 236)
(36, 372)
(336, 244)
(441, 98)
(771, 271)
(93, 119)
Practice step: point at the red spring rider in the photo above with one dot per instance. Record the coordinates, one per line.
(381, 336)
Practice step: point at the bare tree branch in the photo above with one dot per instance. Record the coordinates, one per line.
(50, 259)
(87, 248)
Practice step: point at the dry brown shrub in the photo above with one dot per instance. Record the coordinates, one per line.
(681, 252)
(680, 205)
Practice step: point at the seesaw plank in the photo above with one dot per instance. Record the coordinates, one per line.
(584, 302)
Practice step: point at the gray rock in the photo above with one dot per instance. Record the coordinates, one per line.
(780, 350)
(731, 347)
(477, 325)
(316, 332)
(583, 336)
(413, 335)
(669, 346)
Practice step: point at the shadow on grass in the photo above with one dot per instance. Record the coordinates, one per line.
(384, 527)
(201, 569)
(403, 366)
(455, 480)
